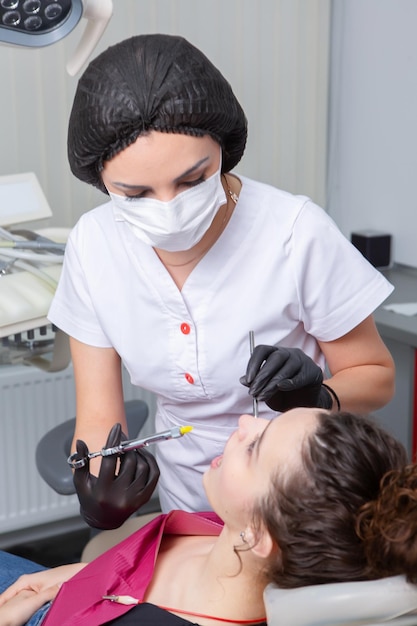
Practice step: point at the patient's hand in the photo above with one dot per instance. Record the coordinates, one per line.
(39, 583)
(20, 608)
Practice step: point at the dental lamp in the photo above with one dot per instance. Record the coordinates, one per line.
(38, 23)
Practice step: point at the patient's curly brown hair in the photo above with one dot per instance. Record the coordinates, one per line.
(388, 526)
(349, 513)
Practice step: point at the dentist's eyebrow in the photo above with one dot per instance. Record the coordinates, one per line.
(258, 443)
(116, 183)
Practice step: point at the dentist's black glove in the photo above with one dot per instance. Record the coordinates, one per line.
(285, 378)
(106, 501)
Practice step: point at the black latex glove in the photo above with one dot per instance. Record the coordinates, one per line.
(106, 501)
(285, 378)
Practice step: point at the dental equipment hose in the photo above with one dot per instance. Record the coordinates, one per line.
(30, 256)
(51, 282)
(34, 245)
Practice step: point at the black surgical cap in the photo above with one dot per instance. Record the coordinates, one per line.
(150, 82)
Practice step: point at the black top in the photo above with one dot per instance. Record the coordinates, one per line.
(151, 615)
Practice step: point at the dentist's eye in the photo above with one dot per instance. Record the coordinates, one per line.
(138, 196)
(193, 183)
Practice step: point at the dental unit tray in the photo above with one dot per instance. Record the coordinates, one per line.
(30, 266)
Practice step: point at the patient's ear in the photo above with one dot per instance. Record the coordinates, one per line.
(260, 542)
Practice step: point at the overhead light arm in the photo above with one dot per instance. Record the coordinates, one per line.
(98, 14)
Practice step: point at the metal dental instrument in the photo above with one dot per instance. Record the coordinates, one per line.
(132, 444)
(5, 266)
(252, 346)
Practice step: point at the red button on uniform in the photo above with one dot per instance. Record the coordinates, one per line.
(189, 379)
(185, 328)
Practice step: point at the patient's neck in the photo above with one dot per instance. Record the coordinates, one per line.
(212, 575)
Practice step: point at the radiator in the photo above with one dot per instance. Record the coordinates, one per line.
(31, 403)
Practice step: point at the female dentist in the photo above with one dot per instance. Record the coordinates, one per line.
(185, 258)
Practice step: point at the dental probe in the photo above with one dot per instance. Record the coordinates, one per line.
(131, 444)
(252, 346)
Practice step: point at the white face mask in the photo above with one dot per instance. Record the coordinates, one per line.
(178, 224)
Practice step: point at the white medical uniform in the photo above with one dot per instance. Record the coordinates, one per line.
(281, 268)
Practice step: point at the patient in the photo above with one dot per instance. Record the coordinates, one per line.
(310, 497)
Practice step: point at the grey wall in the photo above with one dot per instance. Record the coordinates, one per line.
(373, 120)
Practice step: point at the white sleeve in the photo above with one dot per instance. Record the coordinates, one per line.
(72, 309)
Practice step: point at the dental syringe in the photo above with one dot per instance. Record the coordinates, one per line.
(131, 444)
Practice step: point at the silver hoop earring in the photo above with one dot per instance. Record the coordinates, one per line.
(242, 536)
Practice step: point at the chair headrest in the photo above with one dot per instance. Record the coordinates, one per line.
(365, 602)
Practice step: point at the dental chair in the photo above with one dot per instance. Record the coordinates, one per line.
(390, 601)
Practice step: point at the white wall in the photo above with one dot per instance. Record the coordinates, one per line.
(273, 52)
(373, 121)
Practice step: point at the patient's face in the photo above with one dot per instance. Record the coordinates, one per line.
(258, 449)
